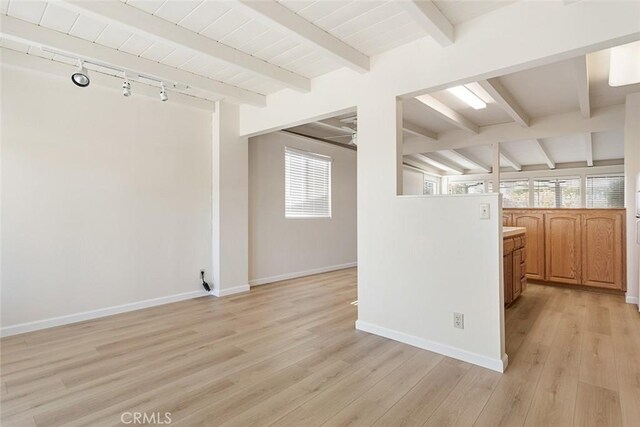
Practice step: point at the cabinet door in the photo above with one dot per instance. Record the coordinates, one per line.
(507, 219)
(602, 250)
(534, 223)
(507, 263)
(517, 273)
(562, 247)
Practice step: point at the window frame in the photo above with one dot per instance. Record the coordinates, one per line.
(605, 175)
(581, 188)
(309, 155)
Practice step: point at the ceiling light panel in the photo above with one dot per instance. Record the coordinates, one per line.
(624, 65)
(468, 97)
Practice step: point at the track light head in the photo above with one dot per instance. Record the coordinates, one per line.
(163, 93)
(126, 88)
(81, 77)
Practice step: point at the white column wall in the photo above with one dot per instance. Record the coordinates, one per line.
(230, 198)
(632, 175)
(410, 249)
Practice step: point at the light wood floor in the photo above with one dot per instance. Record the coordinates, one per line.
(288, 355)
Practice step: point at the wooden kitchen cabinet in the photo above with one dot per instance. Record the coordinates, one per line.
(584, 247)
(514, 267)
(507, 219)
(602, 255)
(563, 248)
(534, 223)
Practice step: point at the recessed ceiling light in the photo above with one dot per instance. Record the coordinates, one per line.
(624, 65)
(468, 97)
(80, 77)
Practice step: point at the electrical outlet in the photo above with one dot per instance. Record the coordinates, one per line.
(485, 212)
(458, 320)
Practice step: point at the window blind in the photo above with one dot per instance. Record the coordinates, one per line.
(605, 191)
(466, 187)
(307, 184)
(556, 193)
(515, 194)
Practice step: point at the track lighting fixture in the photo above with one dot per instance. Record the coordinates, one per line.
(126, 87)
(81, 77)
(163, 93)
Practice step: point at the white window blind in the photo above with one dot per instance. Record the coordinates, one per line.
(307, 184)
(605, 191)
(556, 193)
(466, 187)
(515, 194)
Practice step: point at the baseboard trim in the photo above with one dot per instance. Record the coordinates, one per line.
(230, 291)
(631, 300)
(287, 276)
(498, 365)
(94, 314)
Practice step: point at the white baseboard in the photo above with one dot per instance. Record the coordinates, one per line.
(498, 365)
(632, 300)
(287, 276)
(94, 314)
(230, 291)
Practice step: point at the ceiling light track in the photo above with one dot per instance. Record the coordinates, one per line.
(81, 76)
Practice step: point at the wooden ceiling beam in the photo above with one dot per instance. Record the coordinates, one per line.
(505, 100)
(426, 14)
(448, 114)
(288, 22)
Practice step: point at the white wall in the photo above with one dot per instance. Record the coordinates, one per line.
(632, 174)
(411, 249)
(230, 216)
(412, 181)
(282, 248)
(106, 200)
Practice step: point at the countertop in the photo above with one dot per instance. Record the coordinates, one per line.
(512, 231)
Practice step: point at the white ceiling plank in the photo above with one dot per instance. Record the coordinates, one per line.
(588, 148)
(505, 100)
(510, 161)
(275, 14)
(545, 154)
(478, 164)
(557, 125)
(582, 85)
(25, 32)
(440, 163)
(448, 114)
(416, 130)
(429, 17)
(139, 21)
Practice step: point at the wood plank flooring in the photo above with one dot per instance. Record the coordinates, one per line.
(287, 354)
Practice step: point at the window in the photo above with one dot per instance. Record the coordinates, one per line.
(466, 187)
(430, 186)
(556, 193)
(307, 184)
(605, 191)
(515, 194)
